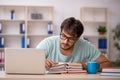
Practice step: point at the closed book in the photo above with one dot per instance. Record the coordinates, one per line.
(102, 43)
(28, 42)
(109, 74)
(22, 28)
(50, 28)
(1, 42)
(23, 42)
(114, 69)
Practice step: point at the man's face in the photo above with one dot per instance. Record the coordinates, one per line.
(67, 41)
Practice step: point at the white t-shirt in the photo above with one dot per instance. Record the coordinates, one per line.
(83, 50)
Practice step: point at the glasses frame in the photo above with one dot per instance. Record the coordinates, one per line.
(70, 39)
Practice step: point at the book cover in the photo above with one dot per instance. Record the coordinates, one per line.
(109, 74)
(23, 42)
(22, 28)
(67, 68)
(50, 28)
(28, 42)
(102, 43)
(114, 69)
(1, 42)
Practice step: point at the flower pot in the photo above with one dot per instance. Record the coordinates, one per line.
(101, 33)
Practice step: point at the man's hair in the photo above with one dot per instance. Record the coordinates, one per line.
(72, 26)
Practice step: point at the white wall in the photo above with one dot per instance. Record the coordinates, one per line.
(67, 8)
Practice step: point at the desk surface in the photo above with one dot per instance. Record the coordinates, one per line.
(4, 76)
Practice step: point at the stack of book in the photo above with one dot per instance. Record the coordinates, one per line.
(110, 71)
(67, 68)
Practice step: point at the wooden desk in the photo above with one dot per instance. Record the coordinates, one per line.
(4, 76)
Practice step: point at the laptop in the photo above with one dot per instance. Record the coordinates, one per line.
(24, 61)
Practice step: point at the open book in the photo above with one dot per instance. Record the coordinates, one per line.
(67, 68)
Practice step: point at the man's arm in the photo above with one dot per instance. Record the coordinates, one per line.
(104, 62)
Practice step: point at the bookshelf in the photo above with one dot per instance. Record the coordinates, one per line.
(24, 26)
(92, 18)
(37, 28)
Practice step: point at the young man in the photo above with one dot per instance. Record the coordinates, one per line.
(69, 47)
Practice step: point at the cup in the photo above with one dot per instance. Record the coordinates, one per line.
(92, 67)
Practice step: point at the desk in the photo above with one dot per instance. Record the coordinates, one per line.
(4, 76)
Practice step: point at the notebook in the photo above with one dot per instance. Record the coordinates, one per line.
(24, 61)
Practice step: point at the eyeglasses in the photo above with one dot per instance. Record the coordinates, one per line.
(70, 39)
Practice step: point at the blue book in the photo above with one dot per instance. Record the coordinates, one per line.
(1, 42)
(102, 43)
(22, 28)
(23, 42)
(50, 32)
(50, 28)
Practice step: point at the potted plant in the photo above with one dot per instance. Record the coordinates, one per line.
(116, 38)
(102, 30)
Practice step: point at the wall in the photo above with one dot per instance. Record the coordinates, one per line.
(67, 8)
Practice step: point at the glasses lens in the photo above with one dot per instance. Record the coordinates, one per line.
(70, 39)
(62, 36)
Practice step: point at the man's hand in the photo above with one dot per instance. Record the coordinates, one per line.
(50, 63)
